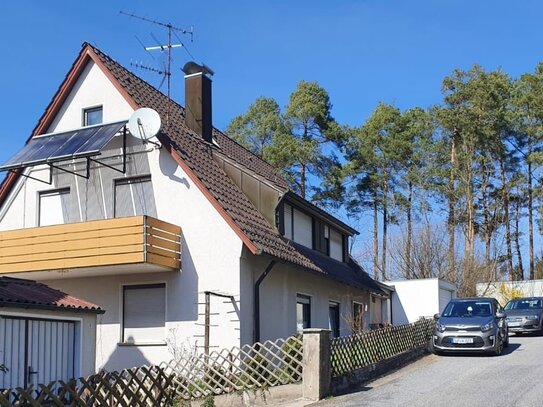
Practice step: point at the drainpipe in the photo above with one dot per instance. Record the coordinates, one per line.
(256, 332)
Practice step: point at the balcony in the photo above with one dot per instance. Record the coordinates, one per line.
(114, 246)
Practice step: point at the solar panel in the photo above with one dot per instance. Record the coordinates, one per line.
(51, 148)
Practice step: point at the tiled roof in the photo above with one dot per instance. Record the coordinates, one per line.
(350, 272)
(18, 293)
(198, 156)
(231, 149)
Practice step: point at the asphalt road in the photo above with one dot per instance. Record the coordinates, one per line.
(513, 379)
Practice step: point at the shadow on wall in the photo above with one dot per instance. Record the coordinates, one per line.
(168, 167)
(399, 317)
(183, 291)
(126, 356)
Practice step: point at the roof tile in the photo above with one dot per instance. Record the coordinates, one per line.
(16, 292)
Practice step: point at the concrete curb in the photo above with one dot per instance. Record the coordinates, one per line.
(371, 372)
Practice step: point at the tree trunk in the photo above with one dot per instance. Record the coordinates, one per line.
(487, 227)
(531, 218)
(385, 225)
(451, 217)
(507, 221)
(408, 263)
(517, 238)
(469, 248)
(375, 237)
(302, 180)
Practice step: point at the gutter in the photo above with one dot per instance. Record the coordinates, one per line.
(256, 302)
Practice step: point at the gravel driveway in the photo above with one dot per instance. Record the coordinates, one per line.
(513, 379)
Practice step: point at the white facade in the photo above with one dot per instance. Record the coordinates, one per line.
(413, 299)
(213, 257)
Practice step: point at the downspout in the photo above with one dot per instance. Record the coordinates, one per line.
(256, 331)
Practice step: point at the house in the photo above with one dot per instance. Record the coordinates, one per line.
(414, 299)
(45, 334)
(187, 240)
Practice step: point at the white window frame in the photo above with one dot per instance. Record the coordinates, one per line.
(88, 110)
(141, 285)
(130, 181)
(337, 305)
(59, 191)
(307, 297)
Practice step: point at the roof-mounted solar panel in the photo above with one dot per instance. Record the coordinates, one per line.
(57, 147)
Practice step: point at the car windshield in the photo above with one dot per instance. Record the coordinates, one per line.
(468, 309)
(526, 303)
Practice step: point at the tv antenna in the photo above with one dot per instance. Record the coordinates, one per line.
(167, 71)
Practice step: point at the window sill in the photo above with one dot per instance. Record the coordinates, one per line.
(129, 344)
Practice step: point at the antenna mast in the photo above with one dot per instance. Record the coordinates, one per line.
(168, 48)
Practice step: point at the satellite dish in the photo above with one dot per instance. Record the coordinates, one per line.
(144, 123)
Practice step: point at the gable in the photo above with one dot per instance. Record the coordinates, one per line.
(91, 89)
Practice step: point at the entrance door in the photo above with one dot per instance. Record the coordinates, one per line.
(36, 351)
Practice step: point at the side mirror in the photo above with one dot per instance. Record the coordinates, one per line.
(500, 315)
(437, 316)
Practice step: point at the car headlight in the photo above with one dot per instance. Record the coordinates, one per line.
(532, 317)
(440, 327)
(487, 327)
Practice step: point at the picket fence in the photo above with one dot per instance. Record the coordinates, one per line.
(350, 353)
(249, 367)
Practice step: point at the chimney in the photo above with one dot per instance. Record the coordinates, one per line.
(198, 99)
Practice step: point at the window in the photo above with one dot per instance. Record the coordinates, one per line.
(134, 196)
(54, 207)
(333, 318)
(303, 312)
(298, 226)
(358, 317)
(92, 116)
(144, 313)
(336, 245)
(326, 233)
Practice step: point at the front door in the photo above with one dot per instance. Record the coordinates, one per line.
(36, 351)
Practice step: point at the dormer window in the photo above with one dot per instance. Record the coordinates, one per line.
(304, 223)
(92, 116)
(298, 226)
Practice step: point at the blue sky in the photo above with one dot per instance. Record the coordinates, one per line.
(362, 52)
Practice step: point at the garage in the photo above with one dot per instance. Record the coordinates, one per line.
(445, 295)
(45, 334)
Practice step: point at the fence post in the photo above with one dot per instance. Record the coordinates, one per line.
(316, 363)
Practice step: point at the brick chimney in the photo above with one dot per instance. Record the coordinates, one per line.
(198, 99)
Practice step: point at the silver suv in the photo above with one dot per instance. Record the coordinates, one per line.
(471, 324)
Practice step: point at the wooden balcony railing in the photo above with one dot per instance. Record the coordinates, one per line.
(102, 243)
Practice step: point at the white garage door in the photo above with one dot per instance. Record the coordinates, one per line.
(444, 297)
(36, 351)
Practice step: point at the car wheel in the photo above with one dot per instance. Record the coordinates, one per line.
(506, 341)
(434, 350)
(498, 348)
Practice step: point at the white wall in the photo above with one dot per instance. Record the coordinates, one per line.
(413, 299)
(278, 299)
(93, 88)
(210, 249)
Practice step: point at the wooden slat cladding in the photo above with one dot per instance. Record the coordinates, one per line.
(111, 242)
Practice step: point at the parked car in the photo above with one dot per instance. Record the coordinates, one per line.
(525, 315)
(471, 325)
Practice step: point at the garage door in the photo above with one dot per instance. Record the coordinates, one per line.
(36, 351)
(444, 297)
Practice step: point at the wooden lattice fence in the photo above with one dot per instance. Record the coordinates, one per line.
(350, 353)
(250, 367)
